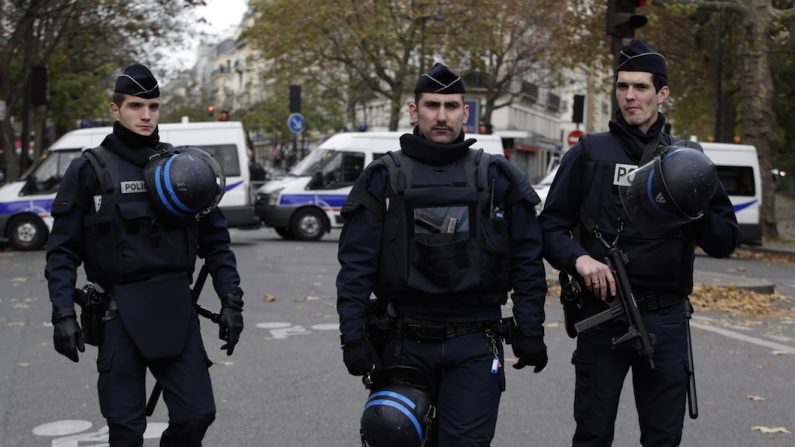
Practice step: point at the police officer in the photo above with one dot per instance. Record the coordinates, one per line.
(584, 199)
(440, 232)
(144, 264)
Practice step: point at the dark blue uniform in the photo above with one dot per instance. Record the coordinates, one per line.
(147, 268)
(463, 385)
(660, 271)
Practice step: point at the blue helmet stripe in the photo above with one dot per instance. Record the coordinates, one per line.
(400, 408)
(395, 395)
(171, 191)
(162, 196)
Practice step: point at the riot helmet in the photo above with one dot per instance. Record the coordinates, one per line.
(671, 190)
(185, 183)
(399, 411)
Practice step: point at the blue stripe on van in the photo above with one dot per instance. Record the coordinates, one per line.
(43, 206)
(333, 201)
(741, 206)
(232, 186)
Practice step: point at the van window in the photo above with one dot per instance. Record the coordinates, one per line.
(737, 180)
(342, 169)
(226, 154)
(312, 163)
(46, 176)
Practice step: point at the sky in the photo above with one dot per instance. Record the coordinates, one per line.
(222, 17)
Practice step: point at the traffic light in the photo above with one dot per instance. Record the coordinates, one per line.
(210, 110)
(621, 18)
(295, 99)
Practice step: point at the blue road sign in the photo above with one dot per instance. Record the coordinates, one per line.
(296, 123)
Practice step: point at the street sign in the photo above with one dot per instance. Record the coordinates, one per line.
(573, 137)
(296, 123)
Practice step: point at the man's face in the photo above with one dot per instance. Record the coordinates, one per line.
(440, 117)
(137, 114)
(637, 99)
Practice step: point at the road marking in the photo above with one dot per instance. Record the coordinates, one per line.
(60, 428)
(273, 325)
(68, 430)
(748, 339)
(325, 327)
(288, 331)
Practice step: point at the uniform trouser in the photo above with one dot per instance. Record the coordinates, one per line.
(185, 380)
(465, 392)
(659, 393)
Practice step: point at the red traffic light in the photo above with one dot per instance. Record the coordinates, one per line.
(211, 109)
(640, 2)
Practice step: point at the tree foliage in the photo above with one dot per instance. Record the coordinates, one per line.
(750, 32)
(366, 50)
(82, 43)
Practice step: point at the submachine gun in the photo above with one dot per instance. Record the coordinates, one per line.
(624, 308)
(206, 313)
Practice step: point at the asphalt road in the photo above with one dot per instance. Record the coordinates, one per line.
(286, 385)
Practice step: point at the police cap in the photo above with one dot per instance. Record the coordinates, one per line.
(439, 79)
(138, 81)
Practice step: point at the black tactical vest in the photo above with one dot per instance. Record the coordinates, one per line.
(438, 234)
(664, 260)
(124, 241)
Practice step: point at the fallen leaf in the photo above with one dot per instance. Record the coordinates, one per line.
(269, 298)
(764, 429)
(23, 364)
(752, 397)
(224, 363)
(312, 298)
(552, 324)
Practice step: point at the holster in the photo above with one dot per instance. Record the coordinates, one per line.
(93, 309)
(381, 323)
(571, 291)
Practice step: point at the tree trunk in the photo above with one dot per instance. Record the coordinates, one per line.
(395, 109)
(756, 115)
(10, 158)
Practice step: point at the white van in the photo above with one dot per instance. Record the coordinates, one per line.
(306, 203)
(25, 204)
(738, 170)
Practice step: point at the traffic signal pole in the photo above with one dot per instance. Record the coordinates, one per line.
(621, 24)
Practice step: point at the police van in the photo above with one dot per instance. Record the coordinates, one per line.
(306, 203)
(738, 170)
(25, 204)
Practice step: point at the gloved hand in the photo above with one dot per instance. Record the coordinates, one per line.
(67, 336)
(230, 321)
(360, 357)
(530, 350)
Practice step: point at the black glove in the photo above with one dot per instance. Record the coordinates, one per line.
(530, 350)
(360, 357)
(67, 336)
(230, 321)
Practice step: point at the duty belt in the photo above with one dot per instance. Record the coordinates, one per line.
(432, 331)
(657, 300)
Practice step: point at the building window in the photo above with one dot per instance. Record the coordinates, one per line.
(553, 101)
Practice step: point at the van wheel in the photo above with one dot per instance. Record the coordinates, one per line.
(27, 233)
(309, 224)
(285, 233)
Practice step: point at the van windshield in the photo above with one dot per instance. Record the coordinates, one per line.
(312, 163)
